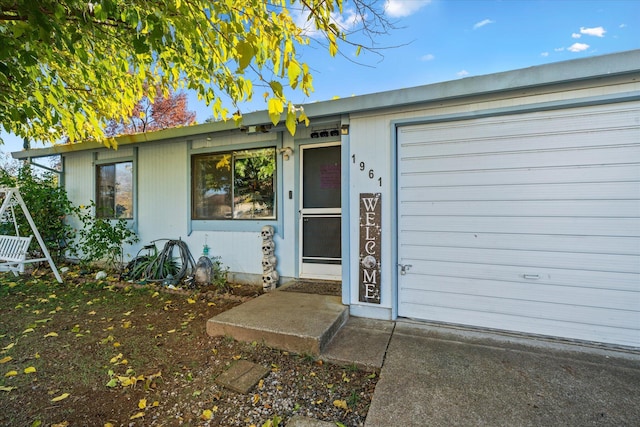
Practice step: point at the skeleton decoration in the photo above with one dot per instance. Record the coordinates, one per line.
(270, 276)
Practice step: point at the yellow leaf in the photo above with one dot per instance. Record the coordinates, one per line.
(62, 424)
(37, 356)
(29, 370)
(138, 415)
(125, 381)
(126, 325)
(26, 331)
(9, 347)
(51, 334)
(238, 357)
(191, 301)
(114, 359)
(275, 107)
(108, 425)
(142, 403)
(211, 304)
(206, 414)
(155, 294)
(255, 399)
(92, 313)
(116, 344)
(11, 374)
(171, 331)
(6, 359)
(5, 388)
(61, 397)
(155, 403)
(124, 362)
(342, 404)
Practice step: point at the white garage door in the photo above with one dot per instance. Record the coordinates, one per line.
(526, 222)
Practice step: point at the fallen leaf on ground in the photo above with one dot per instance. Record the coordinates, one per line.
(6, 359)
(51, 334)
(9, 347)
(138, 415)
(206, 414)
(5, 388)
(29, 370)
(342, 404)
(26, 331)
(142, 404)
(61, 397)
(11, 374)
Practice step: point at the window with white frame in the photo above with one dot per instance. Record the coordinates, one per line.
(234, 185)
(114, 190)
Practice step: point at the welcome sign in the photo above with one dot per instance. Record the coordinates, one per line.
(369, 269)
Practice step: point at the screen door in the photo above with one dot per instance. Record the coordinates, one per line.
(320, 212)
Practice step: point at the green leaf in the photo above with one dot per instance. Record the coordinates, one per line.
(245, 54)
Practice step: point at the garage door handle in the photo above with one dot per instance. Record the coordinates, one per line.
(531, 276)
(404, 268)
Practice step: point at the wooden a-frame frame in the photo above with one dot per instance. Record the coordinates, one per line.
(11, 194)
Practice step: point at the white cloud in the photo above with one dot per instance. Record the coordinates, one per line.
(462, 73)
(576, 35)
(483, 23)
(578, 47)
(559, 49)
(428, 57)
(622, 26)
(402, 8)
(595, 31)
(545, 54)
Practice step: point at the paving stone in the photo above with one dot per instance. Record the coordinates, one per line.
(242, 376)
(300, 421)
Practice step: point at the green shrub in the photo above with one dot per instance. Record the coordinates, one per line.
(48, 205)
(101, 239)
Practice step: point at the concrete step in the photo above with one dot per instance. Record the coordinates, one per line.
(292, 321)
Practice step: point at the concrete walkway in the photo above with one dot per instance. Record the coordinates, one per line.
(443, 376)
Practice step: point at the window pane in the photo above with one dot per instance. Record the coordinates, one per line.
(321, 177)
(211, 186)
(234, 185)
(254, 195)
(114, 192)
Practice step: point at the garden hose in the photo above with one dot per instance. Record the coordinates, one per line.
(163, 266)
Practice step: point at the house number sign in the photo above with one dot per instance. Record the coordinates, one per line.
(369, 267)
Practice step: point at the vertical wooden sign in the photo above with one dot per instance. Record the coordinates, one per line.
(369, 268)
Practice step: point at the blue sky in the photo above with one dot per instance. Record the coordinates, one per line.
(441, 40)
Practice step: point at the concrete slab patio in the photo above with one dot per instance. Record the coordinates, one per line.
(297, 322)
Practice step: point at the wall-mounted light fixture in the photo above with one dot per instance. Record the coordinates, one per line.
(344, 129)
(286, 152)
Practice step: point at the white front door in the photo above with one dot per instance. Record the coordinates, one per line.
(320, 211)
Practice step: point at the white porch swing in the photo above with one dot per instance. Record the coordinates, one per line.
(14, 249)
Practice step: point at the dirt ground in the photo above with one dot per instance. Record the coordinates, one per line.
(108, 353)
